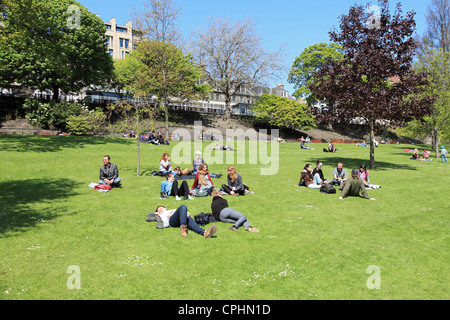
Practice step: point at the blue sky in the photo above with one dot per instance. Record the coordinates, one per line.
(297, 24)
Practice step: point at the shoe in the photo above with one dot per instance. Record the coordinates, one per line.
(233, 228)
(209, 233)
(190, 198)
(164, 195)
(184, 231)
(250, 229)
(177, 198)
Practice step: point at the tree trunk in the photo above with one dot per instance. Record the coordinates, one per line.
(55, 93)
(372, 144)
(138, 157)
(435, 141)
(227, 108)
(166, 110)
(138, 145)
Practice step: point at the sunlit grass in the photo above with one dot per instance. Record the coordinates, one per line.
(310, 245)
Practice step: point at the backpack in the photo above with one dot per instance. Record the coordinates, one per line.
(203, 219)
(327, 188)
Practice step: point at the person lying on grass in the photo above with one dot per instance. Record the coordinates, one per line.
(180, 218)
(354, 186)
(222, 212)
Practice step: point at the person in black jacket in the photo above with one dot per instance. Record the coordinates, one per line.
(109, 173)
(222, 212)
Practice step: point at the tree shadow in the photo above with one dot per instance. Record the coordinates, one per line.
(18, 199)
(332, 159)
(27, 143)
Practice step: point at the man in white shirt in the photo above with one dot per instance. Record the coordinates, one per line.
(181, 218)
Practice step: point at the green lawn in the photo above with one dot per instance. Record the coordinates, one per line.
(310, 245)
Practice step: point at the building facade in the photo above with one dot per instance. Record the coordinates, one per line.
(121, 39)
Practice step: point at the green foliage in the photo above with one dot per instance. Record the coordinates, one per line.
(310, 60)
(41, 46)
(283, 112)
(137, 117)
(79, 124)
(50, 115)
(87, 121)
(126, 72)
(167, 72)
(436, 64)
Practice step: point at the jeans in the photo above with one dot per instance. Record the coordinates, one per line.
(317, 179)
(443, 156)
(115, 183)
(169, 171)
(229, 215)
(180, 218)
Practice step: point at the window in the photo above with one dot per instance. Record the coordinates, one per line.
(111, 52)
(108, 26)
(109, 41)
(120, 29)
(124, 43)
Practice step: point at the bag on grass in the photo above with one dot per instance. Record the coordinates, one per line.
(327, 188)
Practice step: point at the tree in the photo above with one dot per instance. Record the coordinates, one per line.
(168, 74)
(438, 20)
(436, 63)
(157, 23)
(375, 80)
(52, 44)
(310, 60)
(283, 112)
(233, 57)
(126, 71)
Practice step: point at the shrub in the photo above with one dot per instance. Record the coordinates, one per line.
(79, 125)
(50, 115)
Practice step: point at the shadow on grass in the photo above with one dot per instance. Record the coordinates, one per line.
(53, 143)
(18, 199)
(354, 163)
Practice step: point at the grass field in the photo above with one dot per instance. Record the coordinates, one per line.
(310, 245)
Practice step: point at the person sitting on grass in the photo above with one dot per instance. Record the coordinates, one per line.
(416, 156)
(222, 212)
(331, 148)
(303, 146)
(364, 175)
(165, 166)
(180, 218)
(318, 177)
(197, 161)
(109, 173)
(169, 187)
(203, 179)
(235, 186)
(307, 179)
(340, 175)
(354, 186)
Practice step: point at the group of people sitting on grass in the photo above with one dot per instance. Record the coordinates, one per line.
(202, 185)
(180, 217)
(153, 138)
(349, 185)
